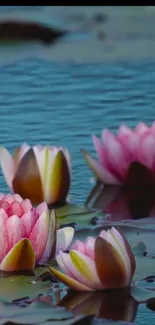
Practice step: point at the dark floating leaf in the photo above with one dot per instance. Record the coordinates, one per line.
(17, 273)
(23, 302)
(95, 221)
(150, 278)
(115, 305)
(100, 18)
(147, 282)
(20, 30)
(71, 224)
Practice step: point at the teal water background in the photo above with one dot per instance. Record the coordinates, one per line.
(65, 103)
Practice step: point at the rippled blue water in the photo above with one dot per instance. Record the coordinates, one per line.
(65, 104)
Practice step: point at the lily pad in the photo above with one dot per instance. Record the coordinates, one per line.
(81, 215)
(16, 287)
(145, 266)
(36, 312)
(142, 295)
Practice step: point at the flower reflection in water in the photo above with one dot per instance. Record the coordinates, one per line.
(123, 203)
(117, 305)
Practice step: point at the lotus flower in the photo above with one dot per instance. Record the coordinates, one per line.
(96, 264)
(119, 152)
(27, 234)
(38, 173)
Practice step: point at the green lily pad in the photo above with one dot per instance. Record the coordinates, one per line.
(70, 209)
(16, 287)
(145, 266)
(36, 312)
(81, 215)
(142, 295)
(139, 249)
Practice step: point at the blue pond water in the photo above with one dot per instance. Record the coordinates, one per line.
(65, 104)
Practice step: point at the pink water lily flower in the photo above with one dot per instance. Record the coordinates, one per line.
(28, 235)
(118, 152)
(106, 262)
(39, 173)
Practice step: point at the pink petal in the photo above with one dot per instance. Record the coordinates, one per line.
(87, 271)
(1, 196)
(26, 205)
(89, 247)
(71, 269)
(86, 247)
(4, 247)
(7, 207)
(115, 239)
(42, 207)
(146, 151)
(103, 234)
(9, 198)
(39, 235)
(101, 173)
(106, 137)
(3, 215)
(63, 267)
(152, 129)
(125, 253)
(117, 160)
(124, 131)
(99, 149)
(23, 149)
(17, 209)
(15, 230)
(79, 246)
(142, 129)
(18, 198)
(117, 234)
(129, 142)
(29, 219)
(7, 165)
